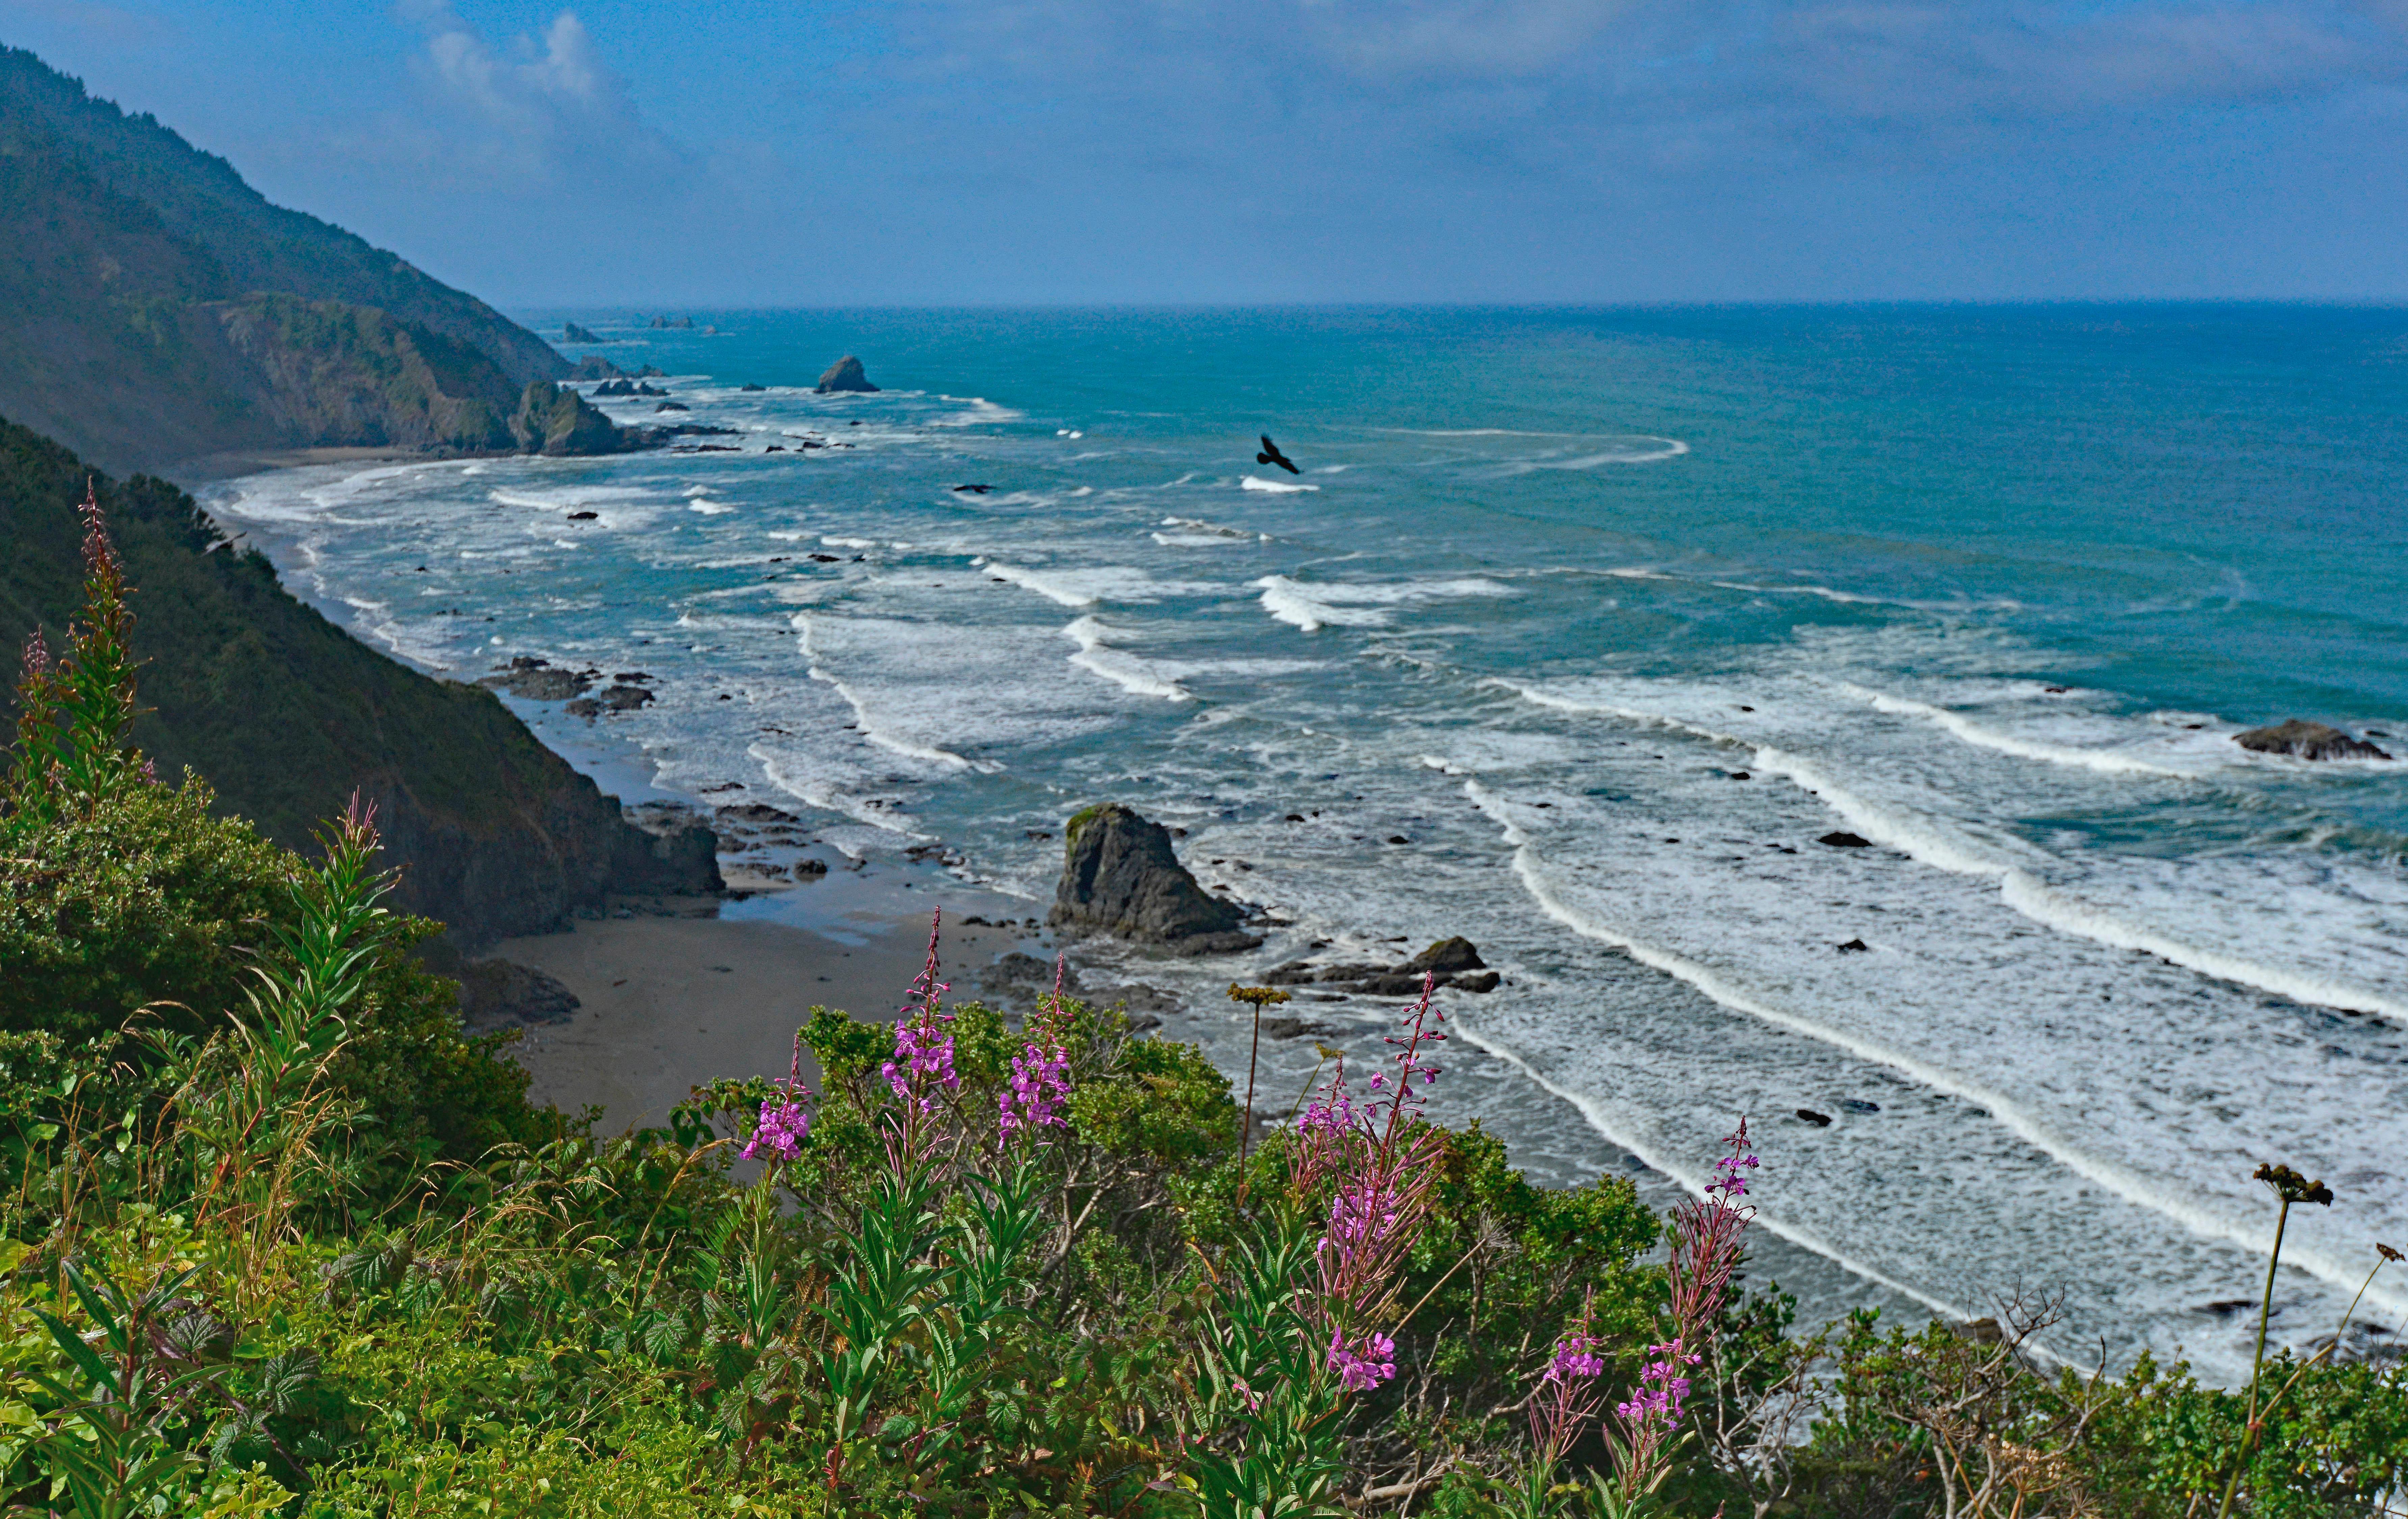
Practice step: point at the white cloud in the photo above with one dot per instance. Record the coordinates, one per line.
(545, 110)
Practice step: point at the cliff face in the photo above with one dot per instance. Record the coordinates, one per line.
(286, 714)
(161, 309)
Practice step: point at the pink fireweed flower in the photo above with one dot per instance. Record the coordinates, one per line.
(1039, 1084)
(923, 1046)
(785, 1120)
(1576, 1360)
(779, 1133)
(1662, 1389)
(1363, 1364)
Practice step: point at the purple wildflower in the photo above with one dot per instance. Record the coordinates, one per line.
(783, 1120)
(924, 1047)
(1661, 1388)
(1728, 1182)
(1041, 1084)
(1363, 1364)
(1576, 1359)
(779, 1132)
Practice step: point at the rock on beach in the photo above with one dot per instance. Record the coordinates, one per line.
(1121, 876)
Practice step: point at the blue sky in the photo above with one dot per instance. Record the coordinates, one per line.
(758, 152)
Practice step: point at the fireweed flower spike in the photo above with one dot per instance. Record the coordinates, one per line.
(1707, 1247)
(1568, 1393)
(923, 1055)
(784, 1120)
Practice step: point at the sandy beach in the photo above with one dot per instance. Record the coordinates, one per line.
(667, 1002)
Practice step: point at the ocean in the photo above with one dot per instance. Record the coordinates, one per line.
(1576, 633)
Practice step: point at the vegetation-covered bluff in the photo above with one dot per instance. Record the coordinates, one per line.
(287, 716)
(161, 310)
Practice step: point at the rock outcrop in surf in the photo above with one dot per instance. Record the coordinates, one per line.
(1451, 962)
(845, 373)
(572, 333)
(2308, 742)
(1120, 877)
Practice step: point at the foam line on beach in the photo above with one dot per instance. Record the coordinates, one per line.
(2105, 762)
(1136, 676)
(828, 797)
(1927, 842)
(1277, 487)
(883, 739)
(2123, 1182)
(1923, 841)
(1693, 1181)
(1309, 608)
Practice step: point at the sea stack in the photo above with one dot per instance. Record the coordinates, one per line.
(572, 333)
(2307, 741)
(845, 373)
(1120, 877)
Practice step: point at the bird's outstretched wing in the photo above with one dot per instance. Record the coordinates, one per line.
(1268, 447)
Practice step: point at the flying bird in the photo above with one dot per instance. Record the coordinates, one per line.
(1271, 455)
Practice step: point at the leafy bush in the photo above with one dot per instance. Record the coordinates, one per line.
(278, 1239)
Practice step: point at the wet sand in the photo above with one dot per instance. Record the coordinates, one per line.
(668, 1002)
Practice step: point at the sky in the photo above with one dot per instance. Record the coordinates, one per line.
(850, 152)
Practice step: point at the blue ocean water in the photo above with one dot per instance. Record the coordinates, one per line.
(1608, 616)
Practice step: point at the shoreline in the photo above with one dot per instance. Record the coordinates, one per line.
(713, 986)
(670, 1002)
(234, 464)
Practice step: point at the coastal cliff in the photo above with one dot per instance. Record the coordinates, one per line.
(162, 309)
(286, 715)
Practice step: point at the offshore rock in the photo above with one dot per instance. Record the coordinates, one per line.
(1120, 877)
(1446, 957)
(572, 333)
(2307, 741)
(556, 420)
(845, 373)
(539, 682)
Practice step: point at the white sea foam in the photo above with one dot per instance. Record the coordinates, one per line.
(839, 542)
(1313, 606)
(2104, 761)
(1731, 987)
(1192, 533)
(1277, 487)
(1090, 585)
(1123, 669)
(1944, 845)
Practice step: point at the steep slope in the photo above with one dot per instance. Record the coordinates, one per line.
(285, 714)
(159, 309)
(200, 199)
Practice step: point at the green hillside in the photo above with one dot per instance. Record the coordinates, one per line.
(285, 714)
(162, 309)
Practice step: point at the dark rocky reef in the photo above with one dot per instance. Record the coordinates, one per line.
(2308, 742)
(687, 323)
(845, 373)
(1120, 877)
(537, 680)
(594, 367)
(1450, 962)
(572, 333)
